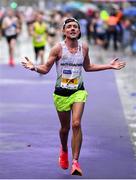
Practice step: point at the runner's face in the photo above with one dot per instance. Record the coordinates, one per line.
(39, 18)
(10, 13)
(71, 30)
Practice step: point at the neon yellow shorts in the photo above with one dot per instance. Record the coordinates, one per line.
(64, 103)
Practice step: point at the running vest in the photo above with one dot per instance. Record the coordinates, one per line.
(11, 30)
(69, 71)
(40, 31)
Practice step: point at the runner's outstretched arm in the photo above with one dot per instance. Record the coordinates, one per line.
(114, 64)
(44, 68)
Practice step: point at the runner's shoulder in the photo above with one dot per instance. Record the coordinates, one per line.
(56, 47)
(85, 48)
(85, 45)
(56, 50)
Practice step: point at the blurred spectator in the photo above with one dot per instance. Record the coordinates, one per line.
(126, 33)
(99, 29)
(29, 18)
(11, 29)
(83, 24)
(38, 31)
(52, 30)
(112, 30)
(133, 32)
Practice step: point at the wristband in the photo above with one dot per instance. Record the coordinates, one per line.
(35, 68)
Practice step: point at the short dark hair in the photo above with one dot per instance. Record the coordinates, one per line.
(72, 20)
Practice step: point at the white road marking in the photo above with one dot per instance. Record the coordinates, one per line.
(134, 134)
(24, 81)
(132, 125)
(24, 105)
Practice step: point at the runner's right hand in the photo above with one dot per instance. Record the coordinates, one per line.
(28, 64)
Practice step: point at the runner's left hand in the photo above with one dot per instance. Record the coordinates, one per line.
(117, 64)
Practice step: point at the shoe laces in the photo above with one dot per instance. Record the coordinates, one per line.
(75, 163)
(63, 154)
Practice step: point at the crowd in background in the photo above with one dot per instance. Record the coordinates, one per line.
(98, 27)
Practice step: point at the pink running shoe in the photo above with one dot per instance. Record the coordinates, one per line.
(11, 62)
(76, 170)
(63, 159)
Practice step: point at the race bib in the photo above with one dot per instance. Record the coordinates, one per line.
(70, 78)
(10, 31)
(39, 38)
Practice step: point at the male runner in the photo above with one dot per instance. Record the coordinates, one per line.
(39, 34)
(70, 56)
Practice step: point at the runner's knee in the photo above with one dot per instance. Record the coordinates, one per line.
(76, 124)
(65, 130)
